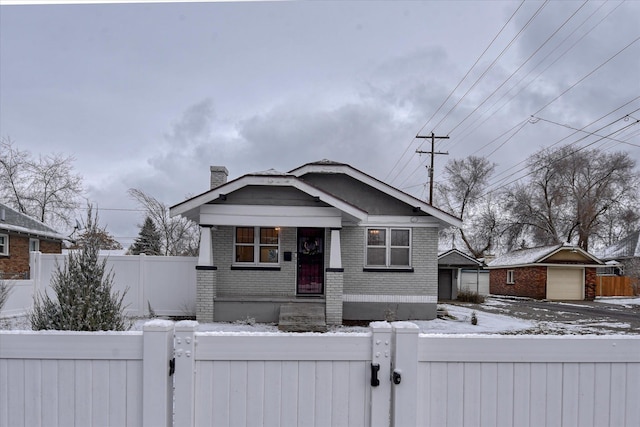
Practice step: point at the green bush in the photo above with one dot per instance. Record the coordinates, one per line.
(85, 300)
(466, 295)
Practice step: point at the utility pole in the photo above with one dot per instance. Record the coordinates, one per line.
(433, 154)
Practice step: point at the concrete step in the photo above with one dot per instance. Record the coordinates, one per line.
(302, 317)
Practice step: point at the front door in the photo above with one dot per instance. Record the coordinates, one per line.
(310, 261)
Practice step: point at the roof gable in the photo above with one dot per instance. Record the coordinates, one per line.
(458, 258)
(544, 254)
(17, 222)
(330, 167)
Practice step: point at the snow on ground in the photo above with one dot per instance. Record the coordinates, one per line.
(627, 302)
(458, 321)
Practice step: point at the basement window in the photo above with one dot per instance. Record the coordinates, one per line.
(510, 277)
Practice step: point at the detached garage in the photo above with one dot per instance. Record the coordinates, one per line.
(559, 272)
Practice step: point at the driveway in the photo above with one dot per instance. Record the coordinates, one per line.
(570, 317)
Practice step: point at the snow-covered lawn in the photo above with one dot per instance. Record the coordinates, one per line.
(458, 321)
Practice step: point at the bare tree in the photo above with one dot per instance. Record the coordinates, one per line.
(571, 197)
(45, 188)
(461, 193)
(179, 236)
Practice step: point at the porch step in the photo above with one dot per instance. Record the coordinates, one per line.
(302, 317)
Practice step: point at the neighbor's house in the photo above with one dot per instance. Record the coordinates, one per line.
(620, 277)
(19, 235)
(324, 232)
(459, 271)
(559, 272)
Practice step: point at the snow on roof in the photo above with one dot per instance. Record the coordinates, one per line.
(270, 172)
(523, 256)
(20, 223)
(629, 247)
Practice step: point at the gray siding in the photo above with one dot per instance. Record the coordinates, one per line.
(422, 281)
(373, 201)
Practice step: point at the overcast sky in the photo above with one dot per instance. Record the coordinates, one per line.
(148, 96)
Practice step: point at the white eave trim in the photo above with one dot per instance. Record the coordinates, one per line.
(269, 216)
(381, 186)
(400, 221)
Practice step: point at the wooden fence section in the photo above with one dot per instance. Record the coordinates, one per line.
(614, 286)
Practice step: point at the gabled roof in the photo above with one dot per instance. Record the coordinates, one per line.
(14, 221)
(457, 257)
(328, 166)
(629, 247)
(190, 207)
(539, 255)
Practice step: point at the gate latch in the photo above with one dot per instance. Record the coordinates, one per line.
(375, 382)
(396, 377)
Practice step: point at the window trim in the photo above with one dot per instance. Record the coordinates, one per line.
(511, 279)
(388, 247)
(235, 265)
(5, 251)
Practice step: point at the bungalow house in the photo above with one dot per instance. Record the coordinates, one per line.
(19, 235)
(559, 272)
(324, 232)
(458, 271)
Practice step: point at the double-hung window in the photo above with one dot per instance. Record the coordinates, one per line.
(4, 244)
(257, 245)
(388, 247)
(510, 277)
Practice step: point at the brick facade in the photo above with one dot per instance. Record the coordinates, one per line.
(590, 281)
(17, 262)
(532, 282)
(528, 282)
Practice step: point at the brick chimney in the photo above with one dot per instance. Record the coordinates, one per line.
(218, 176)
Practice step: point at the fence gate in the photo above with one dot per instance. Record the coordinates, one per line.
(296, 379)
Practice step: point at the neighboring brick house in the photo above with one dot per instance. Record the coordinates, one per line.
(559, 272)
(324, 232)
(19, 235)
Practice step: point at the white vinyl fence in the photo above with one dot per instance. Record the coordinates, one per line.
(390, 376)
(167, 284)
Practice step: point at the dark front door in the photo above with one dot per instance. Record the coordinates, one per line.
(310, 261)
(445, 281)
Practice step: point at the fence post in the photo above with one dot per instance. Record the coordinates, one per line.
(157, 385)
(142, 295)
(185, 373)
(381, 365)
(404, 402)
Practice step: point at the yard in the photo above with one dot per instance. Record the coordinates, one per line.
(496, 316)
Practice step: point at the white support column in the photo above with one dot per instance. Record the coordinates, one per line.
(205, 257)
(404, 402)
(335, 261)
(380, 361)
(185, 373)
(157, 385)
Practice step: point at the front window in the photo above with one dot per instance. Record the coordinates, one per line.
(257, 245)
(4, 244)
(388, 247)
(510, 277)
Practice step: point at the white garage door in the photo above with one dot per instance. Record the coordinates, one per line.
(565, 283)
